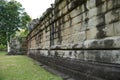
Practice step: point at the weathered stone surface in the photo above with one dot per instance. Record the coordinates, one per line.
(91, 33)
(109, 30)
(112, 16)
(76, 20)
(101, 9)
(80, 38)
(96, 21)
(75, 12)
(107, 56)
(107, 43)
(93, 3)
(111, 4)
(97, 71)
(117, 28)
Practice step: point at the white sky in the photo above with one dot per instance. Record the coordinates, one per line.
(35, 8)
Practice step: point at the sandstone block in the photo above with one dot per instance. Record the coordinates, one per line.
(72, 54)
(65, 10)
(117, 28)
(52, 53)
(79, 55)
(95, 21)
(77, 27)
(93, 12)
(112, 16)
(91, 4)
(91, 44)
(107, 43)
(75, 12)
(101, 9)
(83, 26)
(77, 45)
(111, 4)
(44, 53)
(66, 54)
(91, 33)
(106, 56)
(60, 53)
(78, 37)
(85, 16)
(77, 19)
(62, 5)
(109, 30)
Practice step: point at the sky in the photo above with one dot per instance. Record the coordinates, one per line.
(35, 8)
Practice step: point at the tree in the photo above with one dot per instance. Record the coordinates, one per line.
(12, 19)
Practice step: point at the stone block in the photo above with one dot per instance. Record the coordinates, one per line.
(65, 10)
(62, 5)
(101, 9)
(70, 39)
(112, 4)
(112, 16)
(106, 56)
(75, 12)
(66, 54)
(72, 54)
(93, 12)
(44, 52)
(116, 42)
(85, 16)
(93, 44)
(77, 19)
(79, 54)
(67, 24)
(109, 30)
(93, 3)
(60, 53)
(77, 27)
(96, 21)
(66, 17)
(78, 37)
(73, 4)
(91, 33)
(107, 43)
(83, 26)
(52, 53)
(117, 28)
(77, 45)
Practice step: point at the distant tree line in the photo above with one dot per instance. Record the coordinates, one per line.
(12, 18)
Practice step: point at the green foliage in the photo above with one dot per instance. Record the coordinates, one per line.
(2, 47)
(12, 18)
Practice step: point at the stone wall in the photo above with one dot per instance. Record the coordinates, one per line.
(80, 38)
(17, 46)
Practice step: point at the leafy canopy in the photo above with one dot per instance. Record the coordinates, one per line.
(12, 19)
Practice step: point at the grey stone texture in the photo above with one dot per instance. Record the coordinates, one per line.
(80, 37)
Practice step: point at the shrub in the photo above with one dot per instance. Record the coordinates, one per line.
(3, 47)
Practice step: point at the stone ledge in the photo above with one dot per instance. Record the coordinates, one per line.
(106, 43)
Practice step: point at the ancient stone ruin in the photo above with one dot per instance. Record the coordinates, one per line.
(17, 46)
(80, 38)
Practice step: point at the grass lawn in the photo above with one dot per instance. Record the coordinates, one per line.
(22, 68)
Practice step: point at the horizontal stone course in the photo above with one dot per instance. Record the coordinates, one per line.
(96, 71)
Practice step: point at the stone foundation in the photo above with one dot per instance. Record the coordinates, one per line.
(82, 64)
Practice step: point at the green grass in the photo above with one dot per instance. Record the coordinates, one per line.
(22, 68)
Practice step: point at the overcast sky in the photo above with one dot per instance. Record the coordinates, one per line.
(35, 8)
